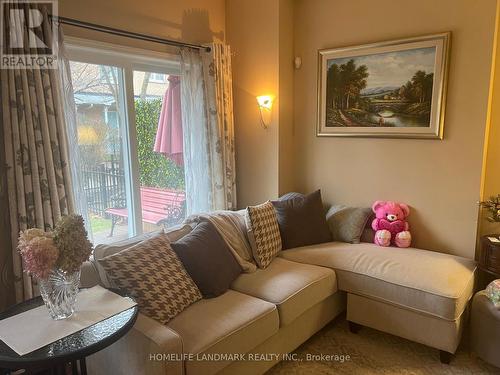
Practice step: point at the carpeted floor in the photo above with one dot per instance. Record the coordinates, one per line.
(374, 352)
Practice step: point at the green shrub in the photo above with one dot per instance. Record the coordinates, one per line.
(155, 169)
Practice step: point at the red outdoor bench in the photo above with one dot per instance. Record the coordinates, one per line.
(159, 206)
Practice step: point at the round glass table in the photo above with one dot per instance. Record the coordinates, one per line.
(69, 351)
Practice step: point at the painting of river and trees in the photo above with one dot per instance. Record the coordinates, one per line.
(387, 89)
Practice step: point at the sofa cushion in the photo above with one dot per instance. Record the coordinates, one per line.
(204, 253)
(293, 287)
(291, 195)
(347, 223)
(426, 281)
(233, 323)
(233, 228)
(104, 250)
(151, 272)
(302, 220)
(263, 233)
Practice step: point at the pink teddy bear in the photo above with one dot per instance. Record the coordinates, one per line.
(390, 224)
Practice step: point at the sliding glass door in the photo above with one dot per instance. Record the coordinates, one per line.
(129, 128)
(158, 126)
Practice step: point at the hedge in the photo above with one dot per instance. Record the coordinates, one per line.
(155, 169)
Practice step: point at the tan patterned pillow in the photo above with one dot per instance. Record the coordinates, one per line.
(153, 274)
(263, 233)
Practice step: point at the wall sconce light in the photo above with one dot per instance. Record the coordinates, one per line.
(265, 108)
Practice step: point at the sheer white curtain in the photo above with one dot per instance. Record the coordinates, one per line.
(207, 117)
(194, 119)
(66, 87)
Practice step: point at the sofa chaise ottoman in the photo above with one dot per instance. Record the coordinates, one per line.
(416, 294)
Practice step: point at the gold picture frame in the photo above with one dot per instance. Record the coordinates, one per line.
(391, 89)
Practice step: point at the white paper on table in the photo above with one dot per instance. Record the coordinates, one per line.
(33, 329)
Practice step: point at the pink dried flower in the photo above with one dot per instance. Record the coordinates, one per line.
(29, 234)
(38, 251)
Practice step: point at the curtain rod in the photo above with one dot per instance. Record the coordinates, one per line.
(127, 34)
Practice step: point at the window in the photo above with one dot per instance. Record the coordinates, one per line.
(158, 78)
(129, 132)
(107, 74)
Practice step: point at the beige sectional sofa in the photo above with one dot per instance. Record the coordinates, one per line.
(416, 294)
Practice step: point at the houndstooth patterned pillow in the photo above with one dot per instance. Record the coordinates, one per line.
(263, 233)
(153, 274)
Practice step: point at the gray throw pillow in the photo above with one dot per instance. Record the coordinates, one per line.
(208, 259)
(347, 223)
(301, 219)
(291, 195)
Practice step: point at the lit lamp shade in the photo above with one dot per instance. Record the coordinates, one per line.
(265, 106)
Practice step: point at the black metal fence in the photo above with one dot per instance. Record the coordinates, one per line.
(104, 186)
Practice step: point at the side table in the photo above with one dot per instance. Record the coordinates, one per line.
(489, 261)
(71, 350)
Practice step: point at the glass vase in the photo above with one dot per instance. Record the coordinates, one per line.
(59, 292)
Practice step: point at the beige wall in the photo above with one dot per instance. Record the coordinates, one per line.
(286, 97)
(195, 21)
(253, 33)
(439, 179)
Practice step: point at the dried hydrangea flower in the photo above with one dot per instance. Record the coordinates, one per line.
(27, 235)
(38, 251)
(72, 242)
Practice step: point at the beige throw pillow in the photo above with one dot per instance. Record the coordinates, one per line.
(153, 274)
(263, 233)
(102, 250)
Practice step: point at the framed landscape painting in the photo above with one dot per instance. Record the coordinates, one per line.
(388, 89)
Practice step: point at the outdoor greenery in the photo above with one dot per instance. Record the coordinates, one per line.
(97, 141)
(99, 224)
(155, 169)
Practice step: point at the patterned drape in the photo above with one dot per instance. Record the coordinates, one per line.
(219, 99)
(36, 155)
(7, 296)
(208, 129)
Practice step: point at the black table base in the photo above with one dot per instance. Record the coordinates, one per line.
(77, 367)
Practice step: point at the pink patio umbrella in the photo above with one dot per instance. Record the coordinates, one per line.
(169, 134)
